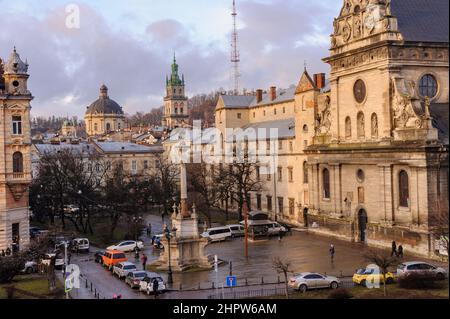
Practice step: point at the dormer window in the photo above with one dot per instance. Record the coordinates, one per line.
(17, 125)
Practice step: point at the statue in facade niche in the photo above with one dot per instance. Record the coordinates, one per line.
(408, 110)
(374, 126)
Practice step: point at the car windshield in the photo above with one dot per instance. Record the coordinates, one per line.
(360, 271)
(139, 274)
(129, 267)
(119, 256)
(369, 271)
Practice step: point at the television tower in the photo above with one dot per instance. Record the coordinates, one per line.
(235, 56)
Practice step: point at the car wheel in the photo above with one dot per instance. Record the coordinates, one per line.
(440, 276)
(334, 285)
(363, 283)
(29, 270)
(303, 288)
(389, 281)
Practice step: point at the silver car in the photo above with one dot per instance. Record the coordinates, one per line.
(123, 269)
(420, 267)
(309, 280)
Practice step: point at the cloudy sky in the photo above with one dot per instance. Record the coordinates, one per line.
(128, 45)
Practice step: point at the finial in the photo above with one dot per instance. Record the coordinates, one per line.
(305, 64)
(174, 57)
(15, 49)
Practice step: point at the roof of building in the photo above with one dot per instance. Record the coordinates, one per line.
(81, 148)
(246, 101)
(439, 113)
(284, 129)
(104, 105)
(123, 147)
(422, 20)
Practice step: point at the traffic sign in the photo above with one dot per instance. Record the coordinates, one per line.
(231, 281)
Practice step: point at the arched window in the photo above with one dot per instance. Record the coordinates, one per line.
(305, 172)
(403, 181)
(348, 128)
(361, 125)
(108, 127)
(374, 125)
(428, 86)
(326, 183)
(17, 162)
(95, 127)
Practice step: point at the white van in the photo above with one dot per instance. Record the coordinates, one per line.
(275, 229)
(217, 234)
(237, 230)
(80, 245)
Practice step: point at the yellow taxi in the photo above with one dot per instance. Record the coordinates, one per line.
(371, 275)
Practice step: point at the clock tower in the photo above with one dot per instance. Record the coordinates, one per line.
(15, 158)
(175, 102)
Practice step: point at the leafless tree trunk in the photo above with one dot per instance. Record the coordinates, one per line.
(283, 267)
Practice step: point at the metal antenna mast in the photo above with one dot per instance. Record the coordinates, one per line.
(235, 56)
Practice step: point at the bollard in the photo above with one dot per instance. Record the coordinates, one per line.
(86, 284)
(181, 287)
(246, 282)
(213, 285)
(91, 286)
(262, 280)
(95, 292)
(278, 279)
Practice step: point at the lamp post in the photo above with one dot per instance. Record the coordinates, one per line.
(168, 237)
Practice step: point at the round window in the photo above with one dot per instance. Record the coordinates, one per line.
(360, 175)
(428, 86)
(15, 83)
(359, 91)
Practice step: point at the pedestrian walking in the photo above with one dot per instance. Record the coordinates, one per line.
(144, 261)
(332, 252)
(149, 229)
(155, 284)
(400, 251)
(394, 249)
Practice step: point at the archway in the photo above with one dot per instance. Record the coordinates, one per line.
(362, 225)
(305, 217)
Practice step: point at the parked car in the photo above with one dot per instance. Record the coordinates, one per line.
(98, 256)
(127, 246)
(371, 274)
(146, 284)
(275, 229)
(112, 258)
(217, 234)
(30, 267)
(411, 267)
(122, 269)
(80, 245)
(237, 230)
(134, 278)
(308, 281)
(34, 232)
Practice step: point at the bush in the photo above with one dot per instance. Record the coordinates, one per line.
(420, 281)
(9, 267)
(340, 293)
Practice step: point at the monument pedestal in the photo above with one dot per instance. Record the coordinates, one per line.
(186, 247)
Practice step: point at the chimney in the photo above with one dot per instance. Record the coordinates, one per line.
(259, 95)
(273, 93)
(319, 79)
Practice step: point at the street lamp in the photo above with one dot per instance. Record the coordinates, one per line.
(169, 236)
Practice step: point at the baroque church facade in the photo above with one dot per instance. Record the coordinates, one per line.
(15, 150)
(367, 148)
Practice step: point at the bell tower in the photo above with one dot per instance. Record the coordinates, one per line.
(175, 102)
(15, 150)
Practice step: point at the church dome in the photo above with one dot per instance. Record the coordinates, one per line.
(104, 105)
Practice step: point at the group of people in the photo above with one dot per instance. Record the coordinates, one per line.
(396, 251)
(7, 252)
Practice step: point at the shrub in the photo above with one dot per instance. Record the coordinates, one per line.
(340, 293)
(420, 280)
(9, 267)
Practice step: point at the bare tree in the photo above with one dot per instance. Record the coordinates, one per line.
(440, 228)
(384, 261)
(283, 267)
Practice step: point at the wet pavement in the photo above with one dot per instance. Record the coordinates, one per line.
(304, 251)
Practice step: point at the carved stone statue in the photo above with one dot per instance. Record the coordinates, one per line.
(408, 110)
(323, 119)
(374, 126)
